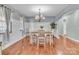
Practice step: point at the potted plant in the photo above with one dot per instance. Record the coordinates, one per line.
(53, 26)
(41, 27)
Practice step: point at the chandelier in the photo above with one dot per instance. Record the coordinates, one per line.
(39, 16)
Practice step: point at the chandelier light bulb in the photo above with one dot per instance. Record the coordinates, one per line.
(36, 17)
(43, 17)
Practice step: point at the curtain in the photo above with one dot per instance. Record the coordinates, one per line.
(7, 13)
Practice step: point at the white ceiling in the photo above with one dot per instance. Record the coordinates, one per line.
(29, 9)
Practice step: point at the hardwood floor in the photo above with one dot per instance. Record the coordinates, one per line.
(59, 46)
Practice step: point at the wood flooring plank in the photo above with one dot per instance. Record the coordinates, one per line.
(23, 47)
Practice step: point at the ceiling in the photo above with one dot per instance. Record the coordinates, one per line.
(32, 9)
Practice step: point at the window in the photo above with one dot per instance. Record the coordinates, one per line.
(2, 21)
(2, 26)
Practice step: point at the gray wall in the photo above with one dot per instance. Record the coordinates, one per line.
(16, 26)
(47, 19)
(17, 30)
(72, 25)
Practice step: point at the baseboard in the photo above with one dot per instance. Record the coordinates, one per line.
(72, 39)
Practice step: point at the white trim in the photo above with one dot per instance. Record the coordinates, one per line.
(11, 43)
(72, 39)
